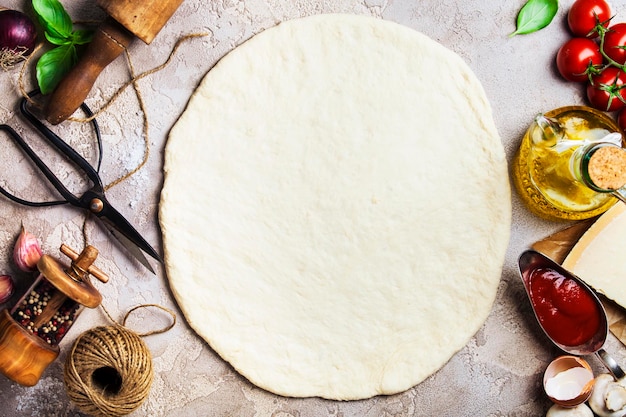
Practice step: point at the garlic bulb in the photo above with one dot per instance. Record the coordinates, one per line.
(6, 288)
(581, 410)
(27, 251)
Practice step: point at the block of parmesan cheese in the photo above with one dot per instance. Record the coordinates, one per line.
(599, 257)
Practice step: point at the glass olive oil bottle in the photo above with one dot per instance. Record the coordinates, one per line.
(543, 169)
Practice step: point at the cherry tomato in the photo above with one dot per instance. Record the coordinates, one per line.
(584, 15)
(615, 42)
(608, 90)
(576, 56)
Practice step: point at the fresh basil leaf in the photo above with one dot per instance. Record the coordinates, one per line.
(53, 18)
(56, 40)
(58, 29)
(53, 65)
(535, 15)
(81, 36)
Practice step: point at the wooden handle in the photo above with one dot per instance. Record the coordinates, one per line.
(109, 41)
(143, 18)
(92, 269)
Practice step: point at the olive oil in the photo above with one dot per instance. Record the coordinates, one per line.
(542, 169)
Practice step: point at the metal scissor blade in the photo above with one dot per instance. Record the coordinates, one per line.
(123, 227)
(132, 248)
(117, 224)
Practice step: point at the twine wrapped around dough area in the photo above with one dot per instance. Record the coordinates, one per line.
(108, 371)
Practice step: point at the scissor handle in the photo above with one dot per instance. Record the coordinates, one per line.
(14, 198)
(62, 146)
(67, 195)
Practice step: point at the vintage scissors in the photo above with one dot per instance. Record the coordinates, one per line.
(93, 200)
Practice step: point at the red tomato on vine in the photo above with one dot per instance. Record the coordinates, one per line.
(577, 59)
(615, 43)
(607, 90)
(585, 15)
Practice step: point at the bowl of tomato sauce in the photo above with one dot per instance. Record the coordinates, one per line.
(568, 310)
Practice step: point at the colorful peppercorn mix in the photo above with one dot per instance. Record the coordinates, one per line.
(38, 304)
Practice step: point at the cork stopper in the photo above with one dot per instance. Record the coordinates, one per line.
(607, 168)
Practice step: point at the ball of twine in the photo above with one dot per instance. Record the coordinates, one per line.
(108, 371)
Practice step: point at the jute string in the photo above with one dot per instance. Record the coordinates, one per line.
(108, 371)
(134, 78)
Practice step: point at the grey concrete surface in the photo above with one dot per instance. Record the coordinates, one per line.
(497, 374)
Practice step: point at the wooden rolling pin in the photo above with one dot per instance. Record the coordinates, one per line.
(127, 19)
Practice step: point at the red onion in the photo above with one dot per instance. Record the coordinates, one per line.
(18, 36)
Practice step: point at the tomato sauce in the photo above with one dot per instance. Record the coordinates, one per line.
(568, 312)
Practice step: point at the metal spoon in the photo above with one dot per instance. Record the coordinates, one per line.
(531, 260)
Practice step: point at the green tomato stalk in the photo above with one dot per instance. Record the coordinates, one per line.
(614, 89)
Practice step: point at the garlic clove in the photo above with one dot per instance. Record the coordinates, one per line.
(27, 251)
(6, 288)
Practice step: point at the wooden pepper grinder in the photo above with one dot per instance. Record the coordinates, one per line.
(30, 333)
(127, 19)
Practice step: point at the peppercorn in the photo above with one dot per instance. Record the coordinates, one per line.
(34, 304)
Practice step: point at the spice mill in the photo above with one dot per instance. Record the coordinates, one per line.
(31, 331)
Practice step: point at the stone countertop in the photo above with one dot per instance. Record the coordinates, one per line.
(498, 373)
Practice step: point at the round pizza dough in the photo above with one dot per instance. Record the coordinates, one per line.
(336, 207)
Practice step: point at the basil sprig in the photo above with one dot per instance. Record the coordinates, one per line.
(535, 15)
(59, 31)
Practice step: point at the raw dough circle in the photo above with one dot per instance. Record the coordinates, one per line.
(336, 207)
